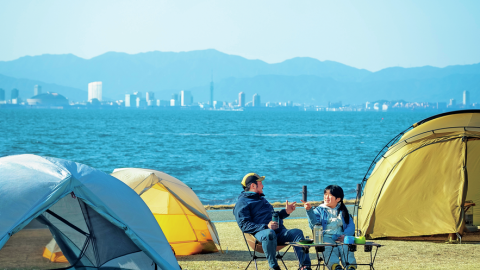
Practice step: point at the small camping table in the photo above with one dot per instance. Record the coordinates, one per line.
(319, 248)
(368, 247)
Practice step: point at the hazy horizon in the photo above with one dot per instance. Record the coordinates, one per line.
(369, 35)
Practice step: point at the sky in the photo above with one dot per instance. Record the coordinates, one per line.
(364, 34)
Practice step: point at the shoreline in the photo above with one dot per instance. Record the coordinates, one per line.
(275, 205)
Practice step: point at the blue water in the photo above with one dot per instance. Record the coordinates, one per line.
(211, 150)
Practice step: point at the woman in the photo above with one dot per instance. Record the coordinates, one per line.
(336, 223)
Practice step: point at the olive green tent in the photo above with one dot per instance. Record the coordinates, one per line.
(423, 178)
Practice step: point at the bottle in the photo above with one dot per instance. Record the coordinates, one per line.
(318, 234)
(275, 217)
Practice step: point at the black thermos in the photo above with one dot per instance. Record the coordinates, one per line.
(275, 217)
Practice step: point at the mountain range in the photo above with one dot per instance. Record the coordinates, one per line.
(301, 79)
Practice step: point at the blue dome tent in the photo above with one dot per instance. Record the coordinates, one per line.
(97, 221)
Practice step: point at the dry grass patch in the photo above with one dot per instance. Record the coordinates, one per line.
(24, 251)
(393, 255)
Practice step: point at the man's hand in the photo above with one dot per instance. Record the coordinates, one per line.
(273, 225)
(290, 207)
(307, 205)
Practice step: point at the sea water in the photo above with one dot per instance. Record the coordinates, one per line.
(211, 151)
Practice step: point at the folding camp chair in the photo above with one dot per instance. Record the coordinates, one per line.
(256, 246)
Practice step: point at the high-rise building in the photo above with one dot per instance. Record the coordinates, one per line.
(2, 94)
(141, 103)
(130, 100)
(176, 97)
(14, 93)
(211, 92)
(452, 103)
(218, 104)
(95, 91)
(37, 90)
(466, 98)
(241, 99)
(187, 98)
(150, 96)
(256, 100)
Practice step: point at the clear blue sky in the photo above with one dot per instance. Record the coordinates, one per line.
(364, 34)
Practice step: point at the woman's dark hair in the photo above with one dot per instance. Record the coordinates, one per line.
(337, 192)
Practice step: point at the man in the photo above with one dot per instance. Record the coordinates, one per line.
(254, 216)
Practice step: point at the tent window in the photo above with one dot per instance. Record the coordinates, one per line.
(108, 241)
(81, 232)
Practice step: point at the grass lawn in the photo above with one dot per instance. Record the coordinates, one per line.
(24, 251)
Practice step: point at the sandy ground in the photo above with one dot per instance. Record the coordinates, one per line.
(24, 250)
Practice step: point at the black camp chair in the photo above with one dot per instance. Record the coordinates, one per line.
(256, 247)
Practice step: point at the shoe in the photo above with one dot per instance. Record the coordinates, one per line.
(336, 266)
(351, 267)
(275, 268)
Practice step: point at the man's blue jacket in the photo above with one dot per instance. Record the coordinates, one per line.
(253, 213)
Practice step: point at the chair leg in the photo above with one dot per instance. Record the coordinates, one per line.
(283, 263)
(249, 264)
(256, 268)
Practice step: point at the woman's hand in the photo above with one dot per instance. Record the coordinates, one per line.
(341, 237)
(307, 205)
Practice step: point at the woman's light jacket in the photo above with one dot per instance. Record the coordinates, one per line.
(320, 215)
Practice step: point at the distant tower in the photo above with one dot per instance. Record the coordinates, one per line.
(14, 93)
(211, 91)
(2, 94)
(256, 100)
(466, 98)
(37, 90)
(95, 91)
(241, 99)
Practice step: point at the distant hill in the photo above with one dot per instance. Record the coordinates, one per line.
(299, 79)
(25, 87)
(122, 73)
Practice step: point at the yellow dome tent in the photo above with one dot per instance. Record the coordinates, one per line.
(177, 209)
(53, 252)
(179, 212)
(422, 179)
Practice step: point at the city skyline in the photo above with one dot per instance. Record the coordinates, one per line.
(185, 100)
